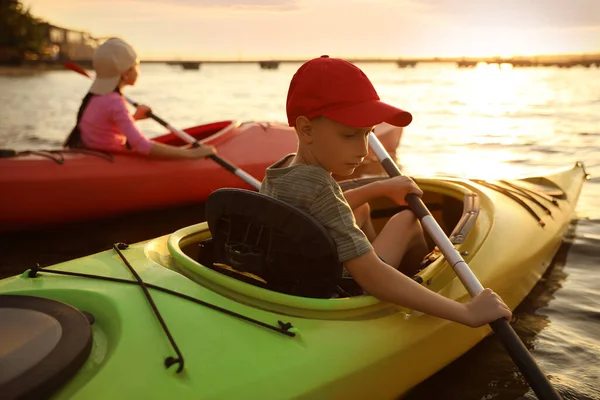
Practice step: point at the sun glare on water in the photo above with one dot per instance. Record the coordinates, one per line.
(485, 137)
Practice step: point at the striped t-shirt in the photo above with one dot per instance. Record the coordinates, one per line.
(314, 191)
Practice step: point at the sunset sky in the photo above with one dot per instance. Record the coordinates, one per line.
(247, 29)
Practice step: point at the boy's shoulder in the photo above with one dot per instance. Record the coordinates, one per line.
(310, 173)
(306, 181)
(301, 173)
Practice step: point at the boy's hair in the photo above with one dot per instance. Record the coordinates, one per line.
(338, 90)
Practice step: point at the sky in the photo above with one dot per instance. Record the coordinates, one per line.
(251, 29)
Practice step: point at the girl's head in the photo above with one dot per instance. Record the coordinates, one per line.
(116, 64)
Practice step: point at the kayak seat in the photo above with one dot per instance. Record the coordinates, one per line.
(268, 243)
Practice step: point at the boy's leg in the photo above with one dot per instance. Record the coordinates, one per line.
(362, 215)
(401, 243)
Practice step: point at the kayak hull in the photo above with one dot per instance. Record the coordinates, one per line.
(38, 191)
(69, 186)
(355, 347)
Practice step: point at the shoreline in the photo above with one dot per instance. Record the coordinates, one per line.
(586, 60)
(18, 70)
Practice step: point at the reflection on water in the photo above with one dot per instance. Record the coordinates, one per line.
(487, 122)
(546, 322)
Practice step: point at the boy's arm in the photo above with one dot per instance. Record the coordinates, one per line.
(395, 188)
(388, 284)
(359, 196)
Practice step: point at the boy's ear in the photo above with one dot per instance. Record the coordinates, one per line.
(304, 129)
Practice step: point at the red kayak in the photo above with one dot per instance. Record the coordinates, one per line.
(47, 187)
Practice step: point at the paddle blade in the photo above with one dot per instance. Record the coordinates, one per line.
(7, 153)
(77, 68)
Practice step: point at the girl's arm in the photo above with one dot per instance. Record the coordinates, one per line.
(124, 120)
(141, 144)
(159, 150)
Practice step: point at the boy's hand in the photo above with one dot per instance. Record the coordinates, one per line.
(398, 187)
(141, 112)
(484, 308)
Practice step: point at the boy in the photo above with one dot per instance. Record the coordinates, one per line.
(333, 107)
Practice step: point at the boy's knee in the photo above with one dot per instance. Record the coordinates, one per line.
(407, 222)
(405, 218)
(362, 213)
(365, 209)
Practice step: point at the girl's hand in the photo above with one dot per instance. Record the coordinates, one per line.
(141, 112)
(398, 187)
(202, 151)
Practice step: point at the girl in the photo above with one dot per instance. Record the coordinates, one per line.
(103, 121)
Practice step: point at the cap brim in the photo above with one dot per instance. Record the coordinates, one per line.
(104, 85)
(368, 114)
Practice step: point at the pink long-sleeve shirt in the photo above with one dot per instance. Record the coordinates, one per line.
(106, 124)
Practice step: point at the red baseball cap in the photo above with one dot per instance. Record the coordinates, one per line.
(338, 90)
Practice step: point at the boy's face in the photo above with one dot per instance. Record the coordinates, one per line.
(336, 147)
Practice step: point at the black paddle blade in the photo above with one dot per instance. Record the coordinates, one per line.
(5, 153)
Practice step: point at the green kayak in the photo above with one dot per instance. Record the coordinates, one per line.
(156, 320)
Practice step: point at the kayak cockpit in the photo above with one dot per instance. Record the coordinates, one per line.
(253, 237)
(212, 133)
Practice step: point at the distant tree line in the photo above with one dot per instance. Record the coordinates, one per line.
(22, 36)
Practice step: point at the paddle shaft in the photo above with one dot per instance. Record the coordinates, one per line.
(249, 179)
(246, 177)
(511, 341)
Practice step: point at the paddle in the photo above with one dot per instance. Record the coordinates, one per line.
(517, 350)
(8, 153)
(249, 179)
